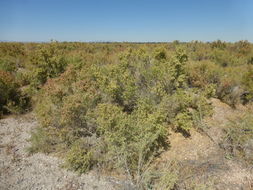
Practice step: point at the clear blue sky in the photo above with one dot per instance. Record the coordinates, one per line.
(126, 20)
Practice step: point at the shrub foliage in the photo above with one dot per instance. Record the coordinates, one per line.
(113, 105)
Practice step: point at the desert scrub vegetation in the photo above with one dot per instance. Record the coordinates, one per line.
(12, 99)
(112, 105)
(248, 84)
(239, 137)
(117, 115)
(46, 62)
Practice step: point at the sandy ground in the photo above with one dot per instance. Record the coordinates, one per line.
(20, 171)
(203, 161)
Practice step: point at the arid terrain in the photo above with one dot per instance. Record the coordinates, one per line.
(19, 170)
(200, 159)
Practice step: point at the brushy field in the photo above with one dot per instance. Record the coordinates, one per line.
(112, 105)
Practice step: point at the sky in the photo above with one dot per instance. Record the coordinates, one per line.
(126, 20)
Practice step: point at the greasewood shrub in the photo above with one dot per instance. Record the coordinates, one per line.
(41, 142)
(80, 157)
(7, 89)
(203, 73)
(7, 65)
(248, 84)
(132, 140)
(63, 104)
(126, 107)
(112, 105)
(214, 81)
(46, 62)
(238, 136)
(228, 91)
(11, 98)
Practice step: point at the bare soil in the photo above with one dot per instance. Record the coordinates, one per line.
(21, 171)
(203, 161)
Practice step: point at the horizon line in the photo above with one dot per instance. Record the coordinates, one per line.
(140, 42)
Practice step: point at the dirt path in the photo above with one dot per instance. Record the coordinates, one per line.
(20, 171)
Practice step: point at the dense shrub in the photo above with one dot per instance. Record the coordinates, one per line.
(46, 62)
(248, 84)
(222, 57)
(126, 107)
(63, 104)
(11, 98)
(7, 89)
(218, 44)
(224, 83)
(199, 51)
(113, 105)
(7, 65)
(80, 157)
(12, 49)
(242, 48)
(132, 140)
(229, 91)
(203, 73)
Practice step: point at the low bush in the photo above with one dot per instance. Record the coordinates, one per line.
(80, 157)
(41, 142)
(229, 91)
(12, 100)
(204, 73)
(7, 65)
(239, 135)
(161, 176)
(127, 107)
(46, 62)
(248, 84)
(113, 105)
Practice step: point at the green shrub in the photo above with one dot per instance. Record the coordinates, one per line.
(160, 54)
(80, 157)
(112, 105)
(19, 106)
(46, 62)
(63, 104)
(132, 140)
(190, 105)
(127, 105)
(218, 44)
(12, 49)
(183, 121)
(203, 73)
(248, 84)
(199, 51)
(238, 134)
(7, 89)
(41, 142)
(242, 48)
(7, 65)
(11, 99)
(161, 176)
(167, 181)
(222, 58)
(123, 104)
(228, 91)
